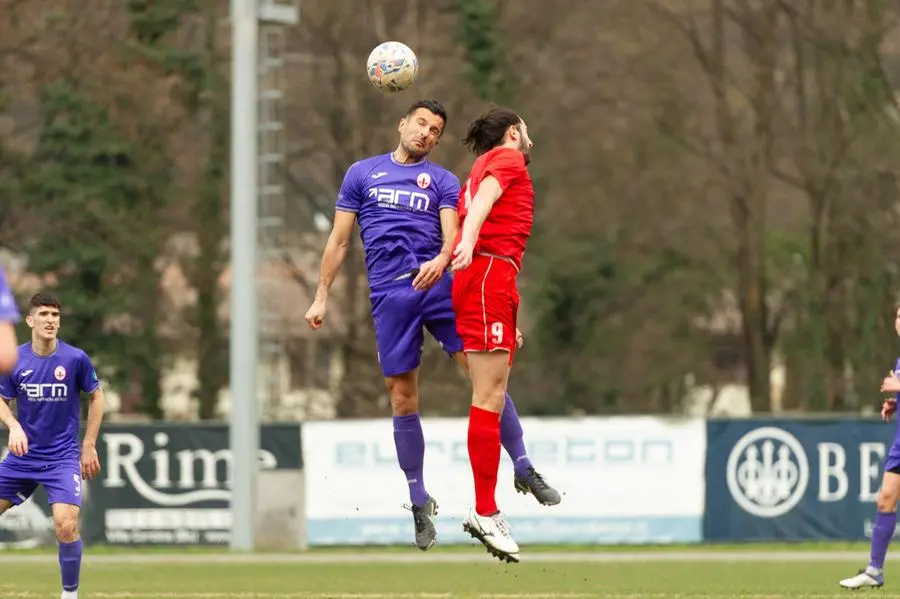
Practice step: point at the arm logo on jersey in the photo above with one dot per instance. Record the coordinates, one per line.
(400, 199)
(45, 392)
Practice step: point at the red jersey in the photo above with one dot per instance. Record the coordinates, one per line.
(507, 227)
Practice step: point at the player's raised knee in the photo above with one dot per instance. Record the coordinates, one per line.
(404, 394)
(889, 493)
(489, 372)
(491, 400)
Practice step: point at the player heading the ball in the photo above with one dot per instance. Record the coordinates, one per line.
(496, 210)
(406, 209)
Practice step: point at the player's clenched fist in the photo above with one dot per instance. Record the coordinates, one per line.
(315, 316)
(18, 442)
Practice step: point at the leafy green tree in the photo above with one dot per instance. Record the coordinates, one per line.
(86, 181)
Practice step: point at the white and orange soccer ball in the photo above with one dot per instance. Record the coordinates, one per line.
(392, 67)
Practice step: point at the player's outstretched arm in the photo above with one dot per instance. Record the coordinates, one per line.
(9, 352)
(332, 259)
(335, 251)
(489, 192)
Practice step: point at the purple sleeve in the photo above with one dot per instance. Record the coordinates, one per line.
(7, 388)
(350, 194)
(87, 376)
(9, 312)
(449, 192)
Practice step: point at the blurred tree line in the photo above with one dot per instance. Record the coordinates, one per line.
(716, 180)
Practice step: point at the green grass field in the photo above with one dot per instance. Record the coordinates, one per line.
(789, 547)
(708, 572)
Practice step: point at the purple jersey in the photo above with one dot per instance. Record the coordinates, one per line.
(892, 460)
(897, 395)
(9, 312)
(398, 208)
(47, 391)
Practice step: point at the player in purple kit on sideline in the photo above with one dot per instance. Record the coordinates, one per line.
(406, 208)
(888, 494)
(9, 316)
(46, 385)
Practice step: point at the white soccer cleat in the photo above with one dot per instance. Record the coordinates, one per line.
(867, 578)
(493, 533)
(69, 595)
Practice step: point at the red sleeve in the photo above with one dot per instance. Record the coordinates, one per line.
(505, 165)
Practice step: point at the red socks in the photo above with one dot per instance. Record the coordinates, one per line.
(484, 456)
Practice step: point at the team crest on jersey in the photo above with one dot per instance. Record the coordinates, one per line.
(423, 180)
(59, 373)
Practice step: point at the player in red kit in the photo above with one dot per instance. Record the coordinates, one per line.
(496, 211)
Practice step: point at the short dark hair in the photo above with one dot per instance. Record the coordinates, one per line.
(486, 132)
(44, 299)
(432, 105)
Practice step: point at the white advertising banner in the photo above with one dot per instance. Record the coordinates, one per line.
(622, 480)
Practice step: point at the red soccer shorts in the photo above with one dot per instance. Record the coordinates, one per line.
(486, 302)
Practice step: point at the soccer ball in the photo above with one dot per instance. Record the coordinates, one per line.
(392, 67)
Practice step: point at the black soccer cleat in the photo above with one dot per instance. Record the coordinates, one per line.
(426, 535)
(535, 484)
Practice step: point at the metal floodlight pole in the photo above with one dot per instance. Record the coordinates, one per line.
(244, 326)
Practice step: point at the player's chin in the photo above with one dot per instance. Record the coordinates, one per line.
(418, 151)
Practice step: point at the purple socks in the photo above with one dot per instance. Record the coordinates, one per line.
(885, 523)
(511, 437)
(70, 564)
(410, 444)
